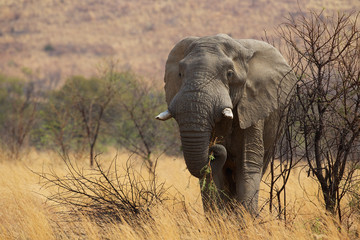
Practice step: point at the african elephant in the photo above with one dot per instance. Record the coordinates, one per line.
(231, 90)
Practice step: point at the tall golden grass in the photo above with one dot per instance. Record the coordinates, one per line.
(25, 213)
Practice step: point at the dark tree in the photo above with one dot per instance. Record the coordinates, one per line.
(18, 107)
(325, 53)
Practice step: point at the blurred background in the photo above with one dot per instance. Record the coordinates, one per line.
(56, 39)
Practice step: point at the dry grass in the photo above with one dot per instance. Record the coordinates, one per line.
(139, 33)
(24, 213)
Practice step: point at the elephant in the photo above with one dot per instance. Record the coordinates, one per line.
(217, 87)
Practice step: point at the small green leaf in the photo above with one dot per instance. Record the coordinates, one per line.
(211, 157)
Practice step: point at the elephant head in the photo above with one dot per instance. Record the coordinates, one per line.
(209, 79)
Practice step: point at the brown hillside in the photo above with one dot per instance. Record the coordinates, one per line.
(59, 38)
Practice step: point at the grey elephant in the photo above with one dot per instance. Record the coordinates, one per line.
(231, 90)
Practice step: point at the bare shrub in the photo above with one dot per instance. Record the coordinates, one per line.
(324, 126)
(106, 194)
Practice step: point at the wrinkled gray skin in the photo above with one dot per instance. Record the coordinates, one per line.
(203, 76)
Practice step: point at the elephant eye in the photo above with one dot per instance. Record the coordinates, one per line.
(230, 74)
(179, 75)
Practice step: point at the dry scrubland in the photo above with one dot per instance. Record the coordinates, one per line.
(56, 39)
(49, 41)
(24, 213)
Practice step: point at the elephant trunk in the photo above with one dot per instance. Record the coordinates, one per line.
(196, 112)
(196, 151)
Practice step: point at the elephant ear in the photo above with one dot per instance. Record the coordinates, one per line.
(171, 78)
(268, 83)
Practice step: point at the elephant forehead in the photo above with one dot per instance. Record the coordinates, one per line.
(215, 44)
(207, 50)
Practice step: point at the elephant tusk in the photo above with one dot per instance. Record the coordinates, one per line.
(227, 113)
(164, 116)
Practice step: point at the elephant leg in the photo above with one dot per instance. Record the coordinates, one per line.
(212, 185)
(249, 167)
